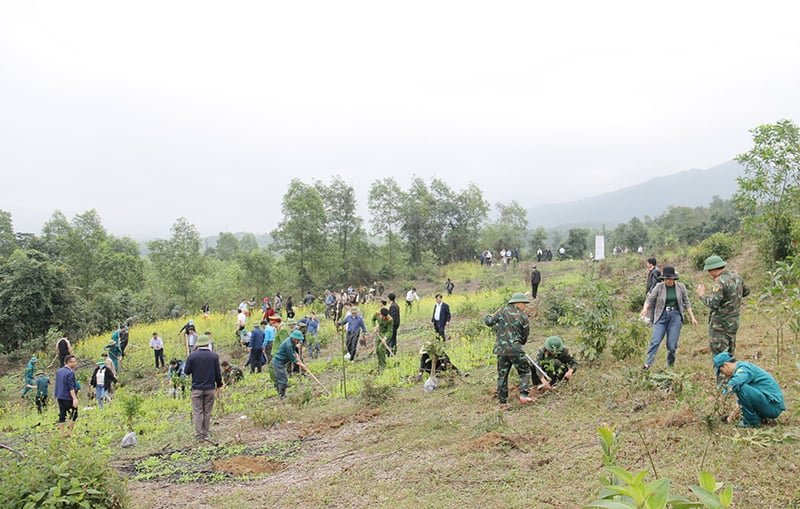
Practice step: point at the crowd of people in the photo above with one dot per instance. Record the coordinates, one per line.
(666, 308)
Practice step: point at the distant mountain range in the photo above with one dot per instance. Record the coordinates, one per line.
(691, 188)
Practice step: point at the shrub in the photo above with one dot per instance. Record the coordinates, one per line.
(554, 306)
(61, 474)
(720, 244)
(632, 340)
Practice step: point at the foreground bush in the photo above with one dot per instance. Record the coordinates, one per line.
(60, 473)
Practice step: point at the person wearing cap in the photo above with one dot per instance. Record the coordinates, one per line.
(354, 326)
(41, 384)
(101, 380)
(557, 363)
(666, 307)
(286, 354)
(231, 374)
(66, 393)
(383, 326)
(536, 278)
(653, 275)
(759, 395)
(28, 376)
(203, 366)
(724, 302)
(511, 332)
(114, 353)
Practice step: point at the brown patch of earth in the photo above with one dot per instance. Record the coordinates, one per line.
(247, 465)
(494, 440)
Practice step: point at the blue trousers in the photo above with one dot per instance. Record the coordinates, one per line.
(669, 324)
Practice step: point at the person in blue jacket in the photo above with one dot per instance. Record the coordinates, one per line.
(759, 395)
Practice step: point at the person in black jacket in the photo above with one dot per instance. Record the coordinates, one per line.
(203, 366)
(101, 380)
(536, 278)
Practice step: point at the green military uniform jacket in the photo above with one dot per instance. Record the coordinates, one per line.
(511, 330)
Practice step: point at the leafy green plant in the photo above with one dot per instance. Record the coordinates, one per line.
(594, 314)
(632, 340)
(626, 490)
(720, 244)
(131, 404)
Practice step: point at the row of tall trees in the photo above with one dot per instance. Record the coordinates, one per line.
(77, 278)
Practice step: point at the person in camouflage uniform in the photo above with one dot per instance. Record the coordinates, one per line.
(511, 329)
(723, 301)
(557, 363)
(231, 374)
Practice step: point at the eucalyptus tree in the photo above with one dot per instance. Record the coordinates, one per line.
(227, 246)
(769, 190)
(458, 218)
(300, 236)
(343, 226)
(385, 200)
(178, 260)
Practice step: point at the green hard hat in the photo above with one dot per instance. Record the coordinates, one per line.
(714, 262)
(519, 297)
(554, 344)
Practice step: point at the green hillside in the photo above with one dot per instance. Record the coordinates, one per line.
(390, 444)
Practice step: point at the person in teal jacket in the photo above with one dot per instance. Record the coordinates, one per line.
(759, 395)
(286, 354)
(28, 376)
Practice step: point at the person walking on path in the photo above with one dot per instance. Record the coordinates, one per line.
(28, 376)
(441, 316)
(42, 385)
(354, 327)
(511, 332)
(759, 395)
(411, 296)
(666, 307)
(66, 393)
(101, 380)
(536, 278)
(383, 329)
(724, 302)
(203, 366)
(449, 286)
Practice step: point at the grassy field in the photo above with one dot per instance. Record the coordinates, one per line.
(390, 444)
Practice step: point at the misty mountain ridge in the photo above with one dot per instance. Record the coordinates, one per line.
(690, 188)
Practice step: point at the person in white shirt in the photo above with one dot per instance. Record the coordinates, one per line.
(411, 296)
(157, 344)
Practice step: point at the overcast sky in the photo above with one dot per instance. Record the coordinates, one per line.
(149, 111)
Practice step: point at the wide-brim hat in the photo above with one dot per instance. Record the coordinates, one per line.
(519, 297)
(297, 335)
(714, 262)
(354, 310)
(554, 344)
(203, 341)
(669, 273)
(39, 373)
(101, 362)
(720, 359)
(34, 359)
(275, 318)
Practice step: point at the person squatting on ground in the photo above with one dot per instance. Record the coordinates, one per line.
(759, 395)
(231, 374)
(286, 354)
(66, 393)
(203, 366)
(101, 380)
(556, 362)
(354, 327)
(177, 378)
(434, 349)
(724, 303)
(441, 316)
(28, 376)
(511, 333)
(383, 330)
(666, 307)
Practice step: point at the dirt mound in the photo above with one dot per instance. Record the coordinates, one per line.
(337, 421)
(247, 465)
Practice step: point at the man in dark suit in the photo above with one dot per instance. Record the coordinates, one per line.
(394, 312)
(441, 316)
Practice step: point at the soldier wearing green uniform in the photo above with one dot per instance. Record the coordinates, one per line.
(27, 375)
(231, 374)
(384, 325)
(557, 363)
(723, 301)
(760, 397)
(511, 332)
